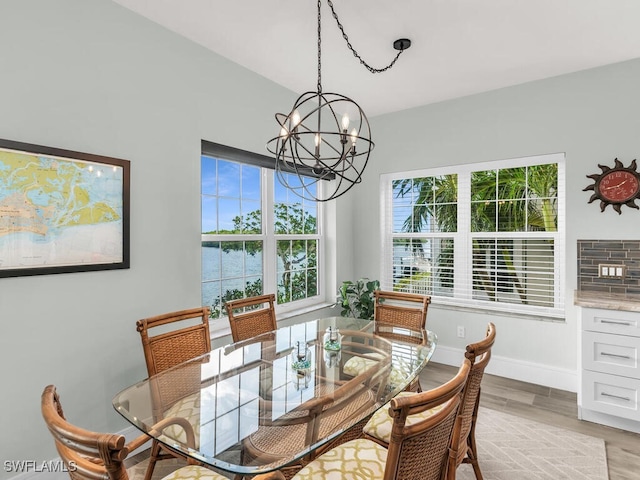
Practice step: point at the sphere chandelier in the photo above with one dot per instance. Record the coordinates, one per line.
(325, 136)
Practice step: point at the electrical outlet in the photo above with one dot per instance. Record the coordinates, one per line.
(460, 331)
(606, 270)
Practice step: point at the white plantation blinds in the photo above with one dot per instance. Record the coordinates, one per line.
(487, 235)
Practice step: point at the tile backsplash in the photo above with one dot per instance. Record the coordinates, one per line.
(625, 253)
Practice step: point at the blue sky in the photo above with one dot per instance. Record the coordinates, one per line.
(230, 189)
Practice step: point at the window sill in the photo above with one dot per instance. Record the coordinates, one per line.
(219, 328)
(501, 313)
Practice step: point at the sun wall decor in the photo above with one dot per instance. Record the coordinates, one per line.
(616, 186)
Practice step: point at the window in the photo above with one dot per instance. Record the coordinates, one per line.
(482, 235)
(257, 236)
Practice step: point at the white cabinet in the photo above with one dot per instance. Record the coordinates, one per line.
(610, 368)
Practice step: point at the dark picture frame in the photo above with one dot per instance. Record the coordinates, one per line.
(62, 211)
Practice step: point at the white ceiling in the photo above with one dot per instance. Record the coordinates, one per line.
(459, 47)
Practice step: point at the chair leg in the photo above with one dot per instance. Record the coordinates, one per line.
(472, 457)
(472, 451)
(155, 452)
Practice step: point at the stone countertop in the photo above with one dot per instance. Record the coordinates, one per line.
(606, 301)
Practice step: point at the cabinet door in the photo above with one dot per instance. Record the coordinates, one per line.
(610, 394)
(611, 321)
(613, 354)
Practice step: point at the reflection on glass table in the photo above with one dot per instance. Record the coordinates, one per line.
(264, 403)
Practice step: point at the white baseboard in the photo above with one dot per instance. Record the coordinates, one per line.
(530, 372)
(609, 420)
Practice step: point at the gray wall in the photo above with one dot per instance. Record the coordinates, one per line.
(592, 116)
(88, 75)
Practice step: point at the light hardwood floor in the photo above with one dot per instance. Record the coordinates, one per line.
(550, 406)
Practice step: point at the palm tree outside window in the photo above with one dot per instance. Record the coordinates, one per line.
(484, 235)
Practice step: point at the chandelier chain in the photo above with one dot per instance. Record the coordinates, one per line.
(353, 50)
(319, 48)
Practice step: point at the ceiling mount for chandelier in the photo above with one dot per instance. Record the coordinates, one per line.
(325, 136)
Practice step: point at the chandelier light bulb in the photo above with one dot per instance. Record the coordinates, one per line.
(354, 137)
(317, 142)
(295, 119)
(345, 122)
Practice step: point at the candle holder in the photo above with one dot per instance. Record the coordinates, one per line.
(332, 340)
(301, 357)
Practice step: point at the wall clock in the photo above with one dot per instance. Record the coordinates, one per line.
(617, 186)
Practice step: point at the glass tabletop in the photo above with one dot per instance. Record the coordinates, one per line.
(258, 405)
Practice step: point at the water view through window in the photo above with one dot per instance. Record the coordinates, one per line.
(249, 229)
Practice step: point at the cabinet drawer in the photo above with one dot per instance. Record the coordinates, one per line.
(614, 354)
(611, 321)
(610, 394)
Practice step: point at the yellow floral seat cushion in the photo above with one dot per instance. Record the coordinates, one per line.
(357, 365)
(380, 423)
(358, 459)
(194, 472)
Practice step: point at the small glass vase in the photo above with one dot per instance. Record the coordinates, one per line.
(301, 357)
(332, 340)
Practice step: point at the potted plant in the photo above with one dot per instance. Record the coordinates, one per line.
(356, 298)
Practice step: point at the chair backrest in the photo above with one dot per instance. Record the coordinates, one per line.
(406, 310)
(478, 354)
(256, 315)
(332, 410)
(169, 348)
(87, 455)
(425, 449)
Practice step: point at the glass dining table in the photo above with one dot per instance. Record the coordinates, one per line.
(277, 399)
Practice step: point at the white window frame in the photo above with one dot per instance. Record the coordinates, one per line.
(269, 239)
(463, 283)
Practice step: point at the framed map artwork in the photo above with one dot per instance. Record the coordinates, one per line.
(61, 211)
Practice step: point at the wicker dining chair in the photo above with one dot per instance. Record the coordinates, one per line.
(91, 455)
(252, 316)
(406, 311)
(421, 450)
(379, 427)
(274, 440)
(169, 348)
(479, 354)
(401, 309)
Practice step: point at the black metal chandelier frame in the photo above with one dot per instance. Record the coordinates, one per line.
(325, 136)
